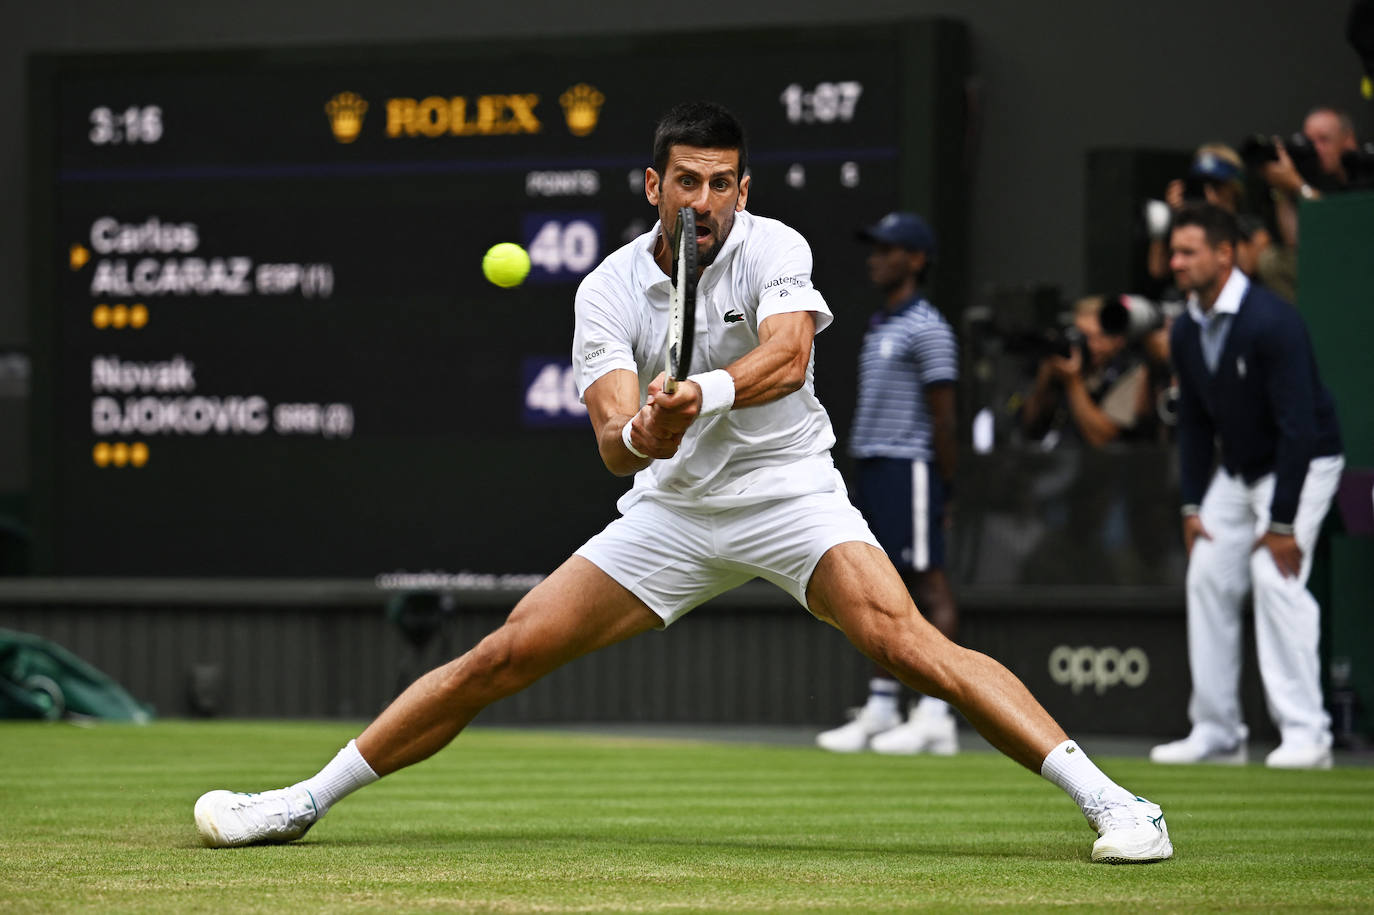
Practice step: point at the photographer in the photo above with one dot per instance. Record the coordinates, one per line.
(1097, 392)
(1316, 165)
(1216, 176)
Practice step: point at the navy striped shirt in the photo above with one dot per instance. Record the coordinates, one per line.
(902, 353)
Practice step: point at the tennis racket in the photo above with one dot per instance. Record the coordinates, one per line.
(682, 313)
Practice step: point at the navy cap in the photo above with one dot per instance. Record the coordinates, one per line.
(1212, 167)
(906, 230)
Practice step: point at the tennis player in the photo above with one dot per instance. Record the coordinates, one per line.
(733, 481)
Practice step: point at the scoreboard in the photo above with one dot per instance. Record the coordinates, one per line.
(263, 344)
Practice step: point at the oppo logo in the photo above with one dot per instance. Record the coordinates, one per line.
(1100, 668)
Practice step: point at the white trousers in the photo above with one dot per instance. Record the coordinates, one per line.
(1287, 618)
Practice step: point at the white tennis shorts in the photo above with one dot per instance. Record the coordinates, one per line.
(675, 559)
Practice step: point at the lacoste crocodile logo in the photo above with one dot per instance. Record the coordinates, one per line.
(733, 317)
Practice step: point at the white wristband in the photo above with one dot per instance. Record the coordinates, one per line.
(625, 437)
(717, 391)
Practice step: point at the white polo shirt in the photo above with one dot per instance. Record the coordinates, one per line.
(749, 454)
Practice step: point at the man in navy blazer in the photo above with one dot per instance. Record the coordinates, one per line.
(1260, 460)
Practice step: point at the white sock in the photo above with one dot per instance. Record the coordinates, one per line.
(882, 694)
(345, 773)
(1071, 769)
(936, 708)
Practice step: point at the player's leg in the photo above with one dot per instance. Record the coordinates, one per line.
(576, 610)
(934, 596)
(931, 727)
(855, 587)
(1218, 578)
(893, 497)
(1287, 629)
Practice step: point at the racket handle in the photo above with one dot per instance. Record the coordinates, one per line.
(670, 385)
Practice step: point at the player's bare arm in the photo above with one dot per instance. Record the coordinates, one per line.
(773, 369)
(613, 401)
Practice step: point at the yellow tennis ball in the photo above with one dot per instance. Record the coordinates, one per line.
(506, 264)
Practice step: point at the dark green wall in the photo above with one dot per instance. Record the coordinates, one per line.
(1336, 296)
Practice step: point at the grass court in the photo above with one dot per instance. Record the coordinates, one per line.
(99, 819)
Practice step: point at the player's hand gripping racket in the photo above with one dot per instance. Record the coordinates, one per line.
(682, 313)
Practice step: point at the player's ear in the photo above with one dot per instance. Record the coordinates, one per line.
(651, 186)
(743, 197)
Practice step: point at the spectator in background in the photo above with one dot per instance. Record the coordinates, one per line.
(1216, 176)
(1253, 241)
(1331, 133)
(1262, 259)
(903, 443)
(1252, 406)
(1099, 393)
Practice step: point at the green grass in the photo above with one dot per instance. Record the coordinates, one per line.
(99, 819)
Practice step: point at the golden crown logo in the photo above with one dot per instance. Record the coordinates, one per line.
(346, 112)
(581, 108)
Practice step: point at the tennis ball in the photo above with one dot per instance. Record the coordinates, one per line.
(506, 264)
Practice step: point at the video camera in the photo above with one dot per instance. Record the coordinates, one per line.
(1024, 321)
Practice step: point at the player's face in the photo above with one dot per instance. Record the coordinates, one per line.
(1196, 265)
(708, 181)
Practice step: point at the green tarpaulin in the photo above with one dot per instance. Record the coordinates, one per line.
(39, 679)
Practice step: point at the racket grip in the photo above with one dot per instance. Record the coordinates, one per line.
(670, 385)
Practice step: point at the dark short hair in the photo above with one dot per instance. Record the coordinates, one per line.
(703, 124)
(1217, 225)
(1247, 224)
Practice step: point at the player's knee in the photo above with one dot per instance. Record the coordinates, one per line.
(495, 666)
(918, 655)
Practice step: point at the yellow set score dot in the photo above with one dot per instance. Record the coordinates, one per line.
(119, 316)
(119, 454)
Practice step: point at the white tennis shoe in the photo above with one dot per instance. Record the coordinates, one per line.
(1195, 749)
(1294, 755)
(853, 737)
(923, 732)
(227, 819)
(1129, 831)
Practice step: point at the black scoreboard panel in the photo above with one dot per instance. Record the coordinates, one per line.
(263, 342)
